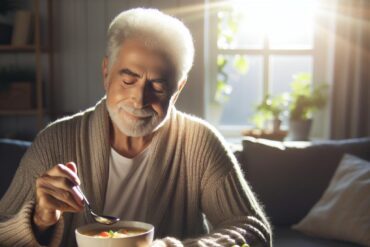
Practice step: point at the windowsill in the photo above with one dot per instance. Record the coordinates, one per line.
(235, 131)
(233, 136)
(232, 131)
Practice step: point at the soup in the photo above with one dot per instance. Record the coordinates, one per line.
(115, 233)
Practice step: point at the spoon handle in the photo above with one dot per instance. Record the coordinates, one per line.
(84, 197)
(102, 219)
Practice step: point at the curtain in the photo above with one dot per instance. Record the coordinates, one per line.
(350, 112)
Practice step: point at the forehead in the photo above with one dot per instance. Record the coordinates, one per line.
(134, 53)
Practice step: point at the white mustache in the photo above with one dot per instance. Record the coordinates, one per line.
(145, 112)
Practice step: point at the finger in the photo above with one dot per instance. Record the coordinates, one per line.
(48, 204)
(62, 185)
(72, 166)
(43, 218)
(57, 199)
(61, 199)
(61, 170)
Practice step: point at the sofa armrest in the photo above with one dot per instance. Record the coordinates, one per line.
(11, 152)
(289, 179)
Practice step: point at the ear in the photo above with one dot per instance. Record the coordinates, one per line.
(104, 67)
(180, 86)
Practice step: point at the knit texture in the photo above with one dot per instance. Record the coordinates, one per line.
(194, 178)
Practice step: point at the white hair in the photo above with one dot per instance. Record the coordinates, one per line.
(156, 29)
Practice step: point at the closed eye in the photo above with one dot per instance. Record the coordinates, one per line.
(128, 76)
(129, 80)
(158, 86)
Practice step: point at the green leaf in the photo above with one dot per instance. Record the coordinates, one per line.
(306, 98)
(241, 64)
(228, 26)
(258, 119)
(223, 91)
(221, 61)
(232, 25)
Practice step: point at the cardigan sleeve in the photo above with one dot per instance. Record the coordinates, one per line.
(234, 214)
(16, 230)
(227, 201)
(16, 206)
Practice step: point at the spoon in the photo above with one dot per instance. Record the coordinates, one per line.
(102, 219)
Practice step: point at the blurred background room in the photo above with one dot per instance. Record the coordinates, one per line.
(286, 82)
(262, 67)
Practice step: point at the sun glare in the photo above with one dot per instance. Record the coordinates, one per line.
(280, 21)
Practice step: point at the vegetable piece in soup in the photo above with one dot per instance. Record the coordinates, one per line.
(118, 233)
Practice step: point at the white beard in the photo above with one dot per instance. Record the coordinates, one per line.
(135, 128)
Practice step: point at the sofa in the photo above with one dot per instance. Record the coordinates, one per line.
(288, 178)
(11, 152)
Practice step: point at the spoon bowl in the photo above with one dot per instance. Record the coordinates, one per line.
(102, 219)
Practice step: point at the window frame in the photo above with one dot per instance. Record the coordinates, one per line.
(321, 52)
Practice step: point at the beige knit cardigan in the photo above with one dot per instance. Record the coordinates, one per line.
(193, 177)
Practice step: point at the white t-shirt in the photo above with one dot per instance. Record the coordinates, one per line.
(126, 190)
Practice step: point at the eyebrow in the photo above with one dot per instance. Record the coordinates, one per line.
(132, 73)
(128, 72)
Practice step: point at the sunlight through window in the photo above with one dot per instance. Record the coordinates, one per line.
(261, 45)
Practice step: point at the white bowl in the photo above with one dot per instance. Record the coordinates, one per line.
(140, 240)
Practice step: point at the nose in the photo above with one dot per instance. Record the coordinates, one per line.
(140, 95)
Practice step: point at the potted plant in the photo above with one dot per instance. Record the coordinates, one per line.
(270, 109)
(305, 99)
(16, 85)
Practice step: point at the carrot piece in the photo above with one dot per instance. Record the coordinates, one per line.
(104, 234)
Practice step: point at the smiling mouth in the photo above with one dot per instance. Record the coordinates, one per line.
(135, 117)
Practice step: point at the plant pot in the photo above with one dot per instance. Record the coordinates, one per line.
(299, 130)
(276, 124)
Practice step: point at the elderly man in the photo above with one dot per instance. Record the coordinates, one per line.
(134, 155)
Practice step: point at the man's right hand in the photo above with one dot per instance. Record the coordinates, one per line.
(56, 193)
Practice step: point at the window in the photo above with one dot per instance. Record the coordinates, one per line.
(255, 48)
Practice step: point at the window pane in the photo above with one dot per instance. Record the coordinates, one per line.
(282, 69)
(288, 24)
(237, 30)
(246, 91)
(295, 27)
